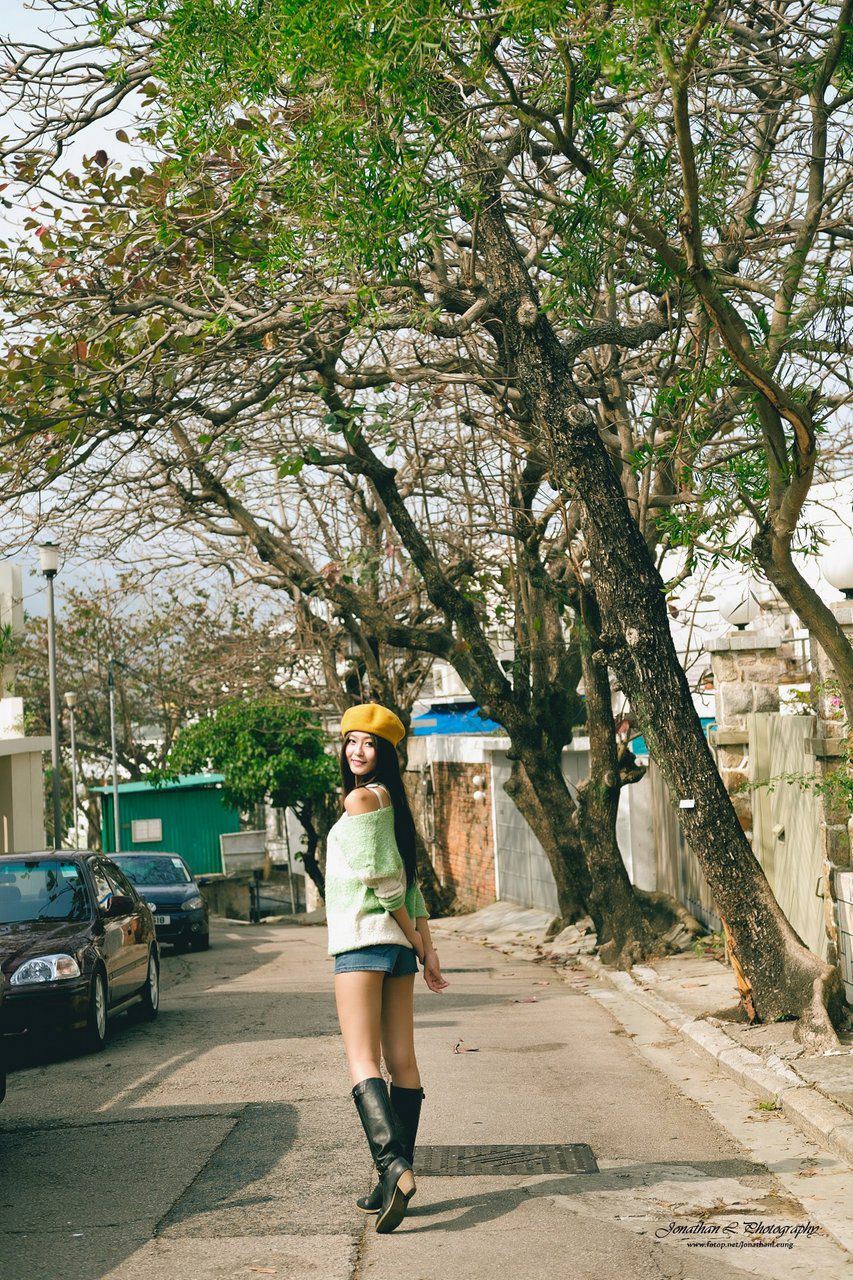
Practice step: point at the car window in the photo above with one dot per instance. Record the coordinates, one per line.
(120, 880)
(104, 889)
(49, 889)
(154, 869)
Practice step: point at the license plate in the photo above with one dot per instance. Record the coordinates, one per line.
(162, 919)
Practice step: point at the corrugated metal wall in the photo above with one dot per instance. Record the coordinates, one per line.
(523, 871)
(678, 870)
(785, 830)
(193, 819)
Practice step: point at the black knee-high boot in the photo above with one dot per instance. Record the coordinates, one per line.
(396, 1181)
(406, 1104)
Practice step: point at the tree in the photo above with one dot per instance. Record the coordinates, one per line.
(202, 462)
(427, 160)
(397, 111)
(176, 655)
(269, 750)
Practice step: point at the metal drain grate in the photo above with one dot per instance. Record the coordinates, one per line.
(565, 1157)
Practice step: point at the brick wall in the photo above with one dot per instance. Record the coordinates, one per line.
(464, 851)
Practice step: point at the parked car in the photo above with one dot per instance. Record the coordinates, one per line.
(77, 943)
(181, 915)
(3, 985)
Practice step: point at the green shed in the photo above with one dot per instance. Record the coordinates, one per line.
(186, 816)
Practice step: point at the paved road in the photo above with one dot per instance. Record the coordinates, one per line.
(220, 1141)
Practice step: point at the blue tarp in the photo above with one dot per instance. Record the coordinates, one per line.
(639, 746)
(450, 718)
(453, 718)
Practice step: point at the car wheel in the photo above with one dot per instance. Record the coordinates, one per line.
(94, 1034)
(202, 943)
(151, 990)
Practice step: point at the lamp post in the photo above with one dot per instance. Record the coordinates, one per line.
(111, 682)
(739, 607)
(49, 565)
(836, 565)
(71, 703)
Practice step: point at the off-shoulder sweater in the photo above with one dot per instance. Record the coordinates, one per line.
(365, 880)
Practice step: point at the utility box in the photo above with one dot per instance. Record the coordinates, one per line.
(186, 816)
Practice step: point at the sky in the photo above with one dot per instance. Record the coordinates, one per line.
(27, 22)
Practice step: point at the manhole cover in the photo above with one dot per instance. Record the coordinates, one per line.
(545, 1157)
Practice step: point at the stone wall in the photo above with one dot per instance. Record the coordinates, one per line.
(827, 744)
(748, 668)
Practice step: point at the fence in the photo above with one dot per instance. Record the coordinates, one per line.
(785, 832)
(676, 865)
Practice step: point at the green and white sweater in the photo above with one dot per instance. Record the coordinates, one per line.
(365, 880)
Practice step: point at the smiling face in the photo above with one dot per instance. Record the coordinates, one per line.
(360, 753)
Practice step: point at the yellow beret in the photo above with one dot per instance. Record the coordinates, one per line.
(369, 717)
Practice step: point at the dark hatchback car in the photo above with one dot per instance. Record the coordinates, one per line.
(181, 915)
(77, 943)
(2, 1047)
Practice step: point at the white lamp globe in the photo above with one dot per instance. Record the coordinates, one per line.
(739, 606)
(49, 559)
(836, 565)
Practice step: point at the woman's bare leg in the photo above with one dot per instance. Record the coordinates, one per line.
(358, 996)
(398, 1031)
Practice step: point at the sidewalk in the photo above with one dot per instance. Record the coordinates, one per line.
(697, 997)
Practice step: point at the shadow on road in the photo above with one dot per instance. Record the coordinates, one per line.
(488, 1206)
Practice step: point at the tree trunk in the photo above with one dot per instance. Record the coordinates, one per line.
(317, 818)
(786, 978)
(625, 936)
(538, 790)
(440, 899)
(773, 553)
(311, 864)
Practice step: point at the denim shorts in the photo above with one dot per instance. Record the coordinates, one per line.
(385, 957)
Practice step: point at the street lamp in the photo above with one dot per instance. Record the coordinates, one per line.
(111, 684)
(836, 565)
(71, 703)
(49, 565)
(739, 607)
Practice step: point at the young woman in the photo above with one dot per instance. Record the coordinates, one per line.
(378, 930)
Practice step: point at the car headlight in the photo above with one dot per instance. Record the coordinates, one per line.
(45, 969)
(192, 903)
(152, 906)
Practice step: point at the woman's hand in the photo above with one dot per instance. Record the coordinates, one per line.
(432, 972)
(418, 944)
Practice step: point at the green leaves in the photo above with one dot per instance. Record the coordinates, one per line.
(267, 749)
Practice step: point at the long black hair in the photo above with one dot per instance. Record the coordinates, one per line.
(387, 771)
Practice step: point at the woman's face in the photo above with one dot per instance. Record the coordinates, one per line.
(360, 753)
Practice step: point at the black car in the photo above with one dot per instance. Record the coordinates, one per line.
(181, 915)
(3, 985)
(77, 943)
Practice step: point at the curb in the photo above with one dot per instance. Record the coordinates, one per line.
(303, 920)
(822, 1120)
